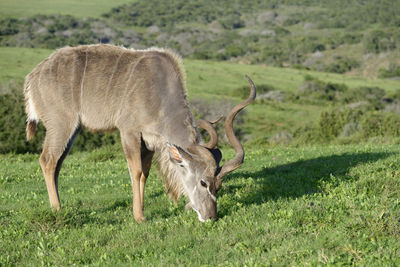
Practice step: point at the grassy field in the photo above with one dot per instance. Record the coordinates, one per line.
(286, 206)
(93, 8)
(336, 205)
(203, 77)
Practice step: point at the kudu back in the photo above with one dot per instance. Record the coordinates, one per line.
(142, 94)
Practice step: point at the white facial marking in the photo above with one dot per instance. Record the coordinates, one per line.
(194, 189)
(211, 195)
(199, 215)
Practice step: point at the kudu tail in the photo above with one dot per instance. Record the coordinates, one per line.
(30, 129)
(33, 118)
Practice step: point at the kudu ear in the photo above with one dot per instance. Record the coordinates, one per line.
(217, 155)
(178, 155)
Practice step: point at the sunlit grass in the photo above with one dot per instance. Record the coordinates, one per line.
(284, 206)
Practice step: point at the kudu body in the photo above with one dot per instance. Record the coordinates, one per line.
(143, 95)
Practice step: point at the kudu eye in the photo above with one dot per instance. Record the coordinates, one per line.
(204, 184)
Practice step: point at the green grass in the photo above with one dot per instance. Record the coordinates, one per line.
(207, 77)
(285, 206)
(92, 8)
(16, 63)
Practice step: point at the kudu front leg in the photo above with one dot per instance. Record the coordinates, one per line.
(136, 174)
(146, 164)
(131, 142)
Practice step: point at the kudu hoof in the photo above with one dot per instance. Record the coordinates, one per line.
(140, 220)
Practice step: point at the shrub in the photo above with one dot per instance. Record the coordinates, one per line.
(331, 122)
(315, 89)
(372, 95)
(232, 21)
(13, 123)
(381, 124)
(8, 26)
(392, 71)
(352, 38)
(342, 65)
(233, 51)
(378, 41)
(336, 124)
(62, 23)
(54, 31)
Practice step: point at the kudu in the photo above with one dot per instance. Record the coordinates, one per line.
(142, 94)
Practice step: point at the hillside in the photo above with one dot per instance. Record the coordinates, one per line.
(355, 37)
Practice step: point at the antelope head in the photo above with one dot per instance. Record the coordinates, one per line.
(199, 165)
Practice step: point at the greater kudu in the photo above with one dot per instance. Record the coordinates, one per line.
(142, 94)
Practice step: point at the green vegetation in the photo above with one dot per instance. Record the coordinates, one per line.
(302, 94)
(335, 205)
(317, 35)
(21, 8)
(320, 182)
(392, 72)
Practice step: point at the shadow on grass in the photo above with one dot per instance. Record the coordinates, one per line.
(46, 220)
(298, 178)
(290, 180)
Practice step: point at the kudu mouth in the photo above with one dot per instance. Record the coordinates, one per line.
(199, 217)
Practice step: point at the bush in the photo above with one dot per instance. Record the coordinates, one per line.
(332, 122)
(349, 125)
(352, 38)
(381, 124)
(392, 71)
(62, 23)
(373, 95)
(342, 65)
(54, 31)
(13, 123)
(315, 89)
(8, 26)
(232, 21)
(378, 41)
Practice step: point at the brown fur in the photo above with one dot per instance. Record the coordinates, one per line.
(142, 94)
(104, 87)
(30, 129)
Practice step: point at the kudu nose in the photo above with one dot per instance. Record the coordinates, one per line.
(212, 218)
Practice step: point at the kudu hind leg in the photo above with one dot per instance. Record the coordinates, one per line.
(55, 149)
